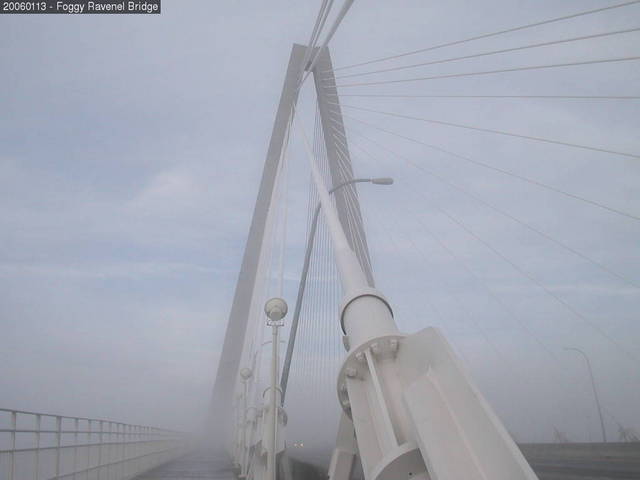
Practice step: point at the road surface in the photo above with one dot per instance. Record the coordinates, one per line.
(550, 462)
(196, 466)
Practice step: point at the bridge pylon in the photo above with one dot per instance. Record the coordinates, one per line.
(410, 409)
(414, 408)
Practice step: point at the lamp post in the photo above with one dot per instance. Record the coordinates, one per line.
(595, 391)
(245, 374)
(276, 309)
(305, 270)
(237, 452)
(259, 350)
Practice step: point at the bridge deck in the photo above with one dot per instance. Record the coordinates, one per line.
(196, 466)
(550, 462)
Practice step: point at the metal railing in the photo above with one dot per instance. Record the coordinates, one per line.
(41, 446)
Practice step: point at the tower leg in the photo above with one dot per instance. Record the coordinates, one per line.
(345, 452)
(232, 350)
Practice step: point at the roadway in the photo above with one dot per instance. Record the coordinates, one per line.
(195, 466)
(549, 461)
(586, 470)
(585, 461)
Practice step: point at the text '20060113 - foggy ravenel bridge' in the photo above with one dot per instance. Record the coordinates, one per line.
(316, 377)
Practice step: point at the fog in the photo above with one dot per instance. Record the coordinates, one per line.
(131, 149)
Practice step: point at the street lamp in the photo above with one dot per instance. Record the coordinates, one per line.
(259, 351)
(245, 375)
(275, 309)
(305, 270)
(595, 392)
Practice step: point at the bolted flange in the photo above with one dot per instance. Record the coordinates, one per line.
(355, 367)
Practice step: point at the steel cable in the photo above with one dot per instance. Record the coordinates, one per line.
(567, 97)
(493, 52)
(500, 170)
(490, 72)
(491, 130)
(505, 214)
(468, 269)
(530, 277)
(492, 34)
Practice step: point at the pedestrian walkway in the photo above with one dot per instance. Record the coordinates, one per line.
(195, 466)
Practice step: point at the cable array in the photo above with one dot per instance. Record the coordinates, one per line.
(561, 97)
(492, 72)
(560, 375)
(492, 34)
(493, 52)
(318, 348)
(500, 170)
(456, 220)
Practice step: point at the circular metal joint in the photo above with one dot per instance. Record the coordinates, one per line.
(276, 309)
(278, 389)
(363, 292)
(246, 373)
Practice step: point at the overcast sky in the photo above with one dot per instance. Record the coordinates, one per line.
(131, 149)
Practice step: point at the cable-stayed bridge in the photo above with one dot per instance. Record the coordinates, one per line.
(328, 381)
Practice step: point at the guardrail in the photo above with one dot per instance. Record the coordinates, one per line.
(42, 446)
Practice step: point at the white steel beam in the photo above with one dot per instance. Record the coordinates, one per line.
(340, 167)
